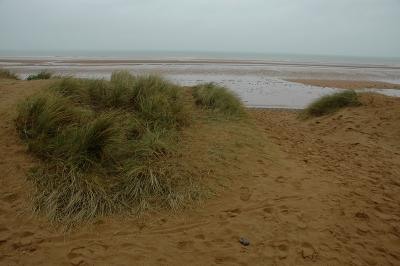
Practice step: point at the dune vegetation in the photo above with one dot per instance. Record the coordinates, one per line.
(7, 74)
(107, 146)
(218, 98)
(41, 75)
(331, 103)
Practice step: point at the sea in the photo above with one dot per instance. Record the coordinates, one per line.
(198, 55)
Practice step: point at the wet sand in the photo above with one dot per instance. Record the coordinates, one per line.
(69, 61)
(320, 192)
(273, 69)
(347, 84)
(257, 83)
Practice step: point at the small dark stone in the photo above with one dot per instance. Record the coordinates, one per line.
(244, 241)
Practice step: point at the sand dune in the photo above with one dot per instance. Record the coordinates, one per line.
(323, 192)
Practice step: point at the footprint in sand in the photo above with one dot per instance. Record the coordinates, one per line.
(384, 216)
(23, 242)
(281, 179)
(362, 215)
(80, 255)
(26, 234)
(184, 244)
(5, 235)
(268, 210)
(362, 228)
(79, 252)
(10, 197)
(200, 236)
(284, 209)
(225, 260)
(245, 193)
(162, 261)
(281, 249)
(308, 251)
(301, 225)
(78, 261)
(233, 212)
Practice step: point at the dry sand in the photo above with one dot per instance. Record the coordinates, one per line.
(347, 84)
(319, 192)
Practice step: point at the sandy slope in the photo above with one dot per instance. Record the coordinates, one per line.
(319, 192)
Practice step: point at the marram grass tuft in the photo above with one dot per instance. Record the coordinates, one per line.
(7, 74)
(331, 103)
(219, 99)
(103, 145)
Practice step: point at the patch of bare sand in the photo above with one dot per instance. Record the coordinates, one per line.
(347, 84)
(323, 191)
(350, 193)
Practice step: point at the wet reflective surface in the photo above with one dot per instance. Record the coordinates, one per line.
(256, 85)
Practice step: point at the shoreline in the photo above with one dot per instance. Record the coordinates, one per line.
(238, 62)
(347, 84)
(257, 85)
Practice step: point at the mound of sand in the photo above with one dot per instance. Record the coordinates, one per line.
(323, 191)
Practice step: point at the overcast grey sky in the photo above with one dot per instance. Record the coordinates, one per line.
(344, 27)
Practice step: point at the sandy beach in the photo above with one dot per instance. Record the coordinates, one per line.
(347, 84)
(319, 192)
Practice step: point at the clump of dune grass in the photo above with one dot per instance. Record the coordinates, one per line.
(41, 75)
(218, 98)
(331, 103)
(154, 99)
(7, 74)
(105, 146)
(122, 79)
(159, 101)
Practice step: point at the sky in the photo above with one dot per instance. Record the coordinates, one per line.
(322, 27)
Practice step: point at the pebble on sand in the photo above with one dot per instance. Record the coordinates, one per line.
(244, 241)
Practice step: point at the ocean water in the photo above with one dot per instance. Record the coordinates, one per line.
(199, 55)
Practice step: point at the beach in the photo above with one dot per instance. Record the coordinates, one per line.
(170, 133)
(323, 191)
